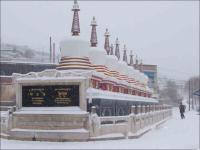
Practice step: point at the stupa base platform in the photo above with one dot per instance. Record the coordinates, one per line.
(50, 125)
(115, 136)
(49, 135)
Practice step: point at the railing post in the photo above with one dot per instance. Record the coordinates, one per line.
(156, 107)
(93, 110)
(150, 108)
(132, 122)
(139, 109)
(133, 109)
(146, 108)
(147, 115)
(136, 109)
(137, 117)
(95, 122)
(143, 116)
(151, 114)
(143, 109)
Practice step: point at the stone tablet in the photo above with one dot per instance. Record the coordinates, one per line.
(50, 96)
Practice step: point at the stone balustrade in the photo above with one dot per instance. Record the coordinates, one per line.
(140, 118)
(5, 120)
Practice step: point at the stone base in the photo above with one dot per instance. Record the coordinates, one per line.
(116, 136)
(4, 136)
(49, 135)
(50, 124)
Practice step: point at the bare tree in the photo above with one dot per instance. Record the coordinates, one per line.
(28, 54)
(170, 93)
(192, 85)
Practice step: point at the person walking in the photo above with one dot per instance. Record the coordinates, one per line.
(182, 110)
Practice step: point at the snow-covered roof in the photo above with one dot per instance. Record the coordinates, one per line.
(96, 93)
(74, 46)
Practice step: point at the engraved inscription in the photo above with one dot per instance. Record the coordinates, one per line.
(50, 96)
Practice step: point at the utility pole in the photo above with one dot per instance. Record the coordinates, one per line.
(189, 94)
(54, 52)
(50, 50)
(192, 88)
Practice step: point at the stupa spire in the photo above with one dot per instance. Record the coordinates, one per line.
(75, 24)
(93, 39)
(111, 49)
(141, 66)
(125, 55)
(136, 62)
(131, 58)
(117, 53)
(106, 44)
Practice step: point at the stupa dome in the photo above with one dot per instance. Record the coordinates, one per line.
(137, 75)
(130, 71)
(74, 46)
(146, 79)
(111, 62)
(122, 67)
(97, 56)
(74, 54)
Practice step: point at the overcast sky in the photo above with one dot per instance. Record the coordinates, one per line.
(164, 33)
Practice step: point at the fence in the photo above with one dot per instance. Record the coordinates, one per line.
(140, 118)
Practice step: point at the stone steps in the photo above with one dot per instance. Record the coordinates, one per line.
(4, 135)
(50, 125)
(116, 136)
(48, 121)
(7, 103)
(49, 135)
(5, 108)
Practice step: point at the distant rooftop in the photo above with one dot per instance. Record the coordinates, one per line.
(147, 67)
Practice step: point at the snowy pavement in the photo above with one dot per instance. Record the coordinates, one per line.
(173, 134)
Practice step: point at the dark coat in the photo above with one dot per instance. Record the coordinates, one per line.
(182, 108)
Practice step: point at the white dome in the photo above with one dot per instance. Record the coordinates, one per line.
(74, 46)
(146, 79)
(137, 75)
(141, 76)
(130, 72)
(122, 67)
(111, 62)
(97, 56)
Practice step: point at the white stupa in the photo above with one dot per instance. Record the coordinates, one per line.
(105, 67)
(74, 50)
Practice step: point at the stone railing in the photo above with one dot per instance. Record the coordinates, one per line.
(141, 118)
(6, 120)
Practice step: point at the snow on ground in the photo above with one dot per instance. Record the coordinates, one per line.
(173, 134)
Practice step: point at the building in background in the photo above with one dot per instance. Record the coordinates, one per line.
(151, 72)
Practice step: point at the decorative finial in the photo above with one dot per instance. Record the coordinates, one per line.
(111, 49)
(93, 39)
(75, 24)
(136, 62)
(141, 66)
(124, 55)
(117, 53)
(131, 58)
(106, 44)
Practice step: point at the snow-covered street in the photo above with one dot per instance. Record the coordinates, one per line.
(173, 134)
